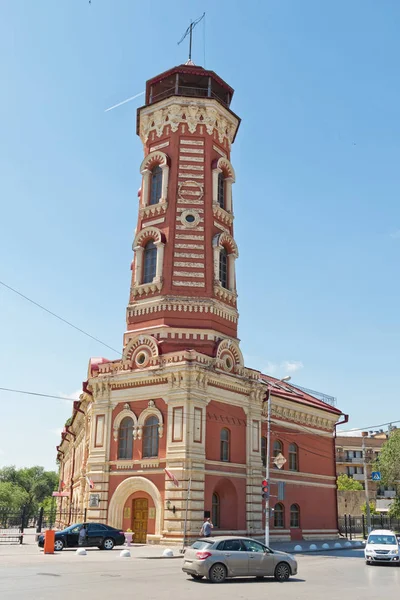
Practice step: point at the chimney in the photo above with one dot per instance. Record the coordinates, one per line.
(364, 433)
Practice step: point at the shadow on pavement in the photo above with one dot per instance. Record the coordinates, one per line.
(348, 553)
(239, 580)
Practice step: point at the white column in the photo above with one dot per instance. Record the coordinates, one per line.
(215, 174)
(231, 272)
(160, 261)
(145, 187)
(164, 185)
(228, 194)
(139, 250)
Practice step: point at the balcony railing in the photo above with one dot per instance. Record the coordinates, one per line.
(192, 92)
(346, 459)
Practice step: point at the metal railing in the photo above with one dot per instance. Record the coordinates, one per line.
(191, 91)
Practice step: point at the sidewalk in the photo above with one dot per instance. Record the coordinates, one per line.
(316, 545)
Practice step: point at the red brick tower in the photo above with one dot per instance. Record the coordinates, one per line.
(183, 275)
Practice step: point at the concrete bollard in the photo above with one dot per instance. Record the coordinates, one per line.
(168, 553)
(125, 554)
(347, 545)
(337, 545)
(325, 546)
(81, 552)
(298, 548)
(313, 547)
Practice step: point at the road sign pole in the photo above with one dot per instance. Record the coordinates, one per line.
(368, 511)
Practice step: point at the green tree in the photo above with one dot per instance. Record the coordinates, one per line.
(33, 484)
(344, 482)
(394, 510)
(372, 508)
(12, 496)
(388, 462)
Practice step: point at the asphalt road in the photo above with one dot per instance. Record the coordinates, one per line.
(104, 575)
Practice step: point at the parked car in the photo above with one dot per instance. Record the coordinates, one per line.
(382, 547)
(217, 558)
(97, 534)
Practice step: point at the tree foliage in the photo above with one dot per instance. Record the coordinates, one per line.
(372, 508)
(26, 487)
(388, 462)
(344, 482)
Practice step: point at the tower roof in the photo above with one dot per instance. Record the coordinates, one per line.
(188, 80)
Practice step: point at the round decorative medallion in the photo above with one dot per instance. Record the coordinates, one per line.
(190, 218)
(190, 184)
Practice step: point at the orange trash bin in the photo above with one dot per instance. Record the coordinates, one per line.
(49, 539)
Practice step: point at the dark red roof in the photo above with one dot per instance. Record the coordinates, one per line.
(283, 389)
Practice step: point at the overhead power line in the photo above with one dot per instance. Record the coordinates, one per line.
(58, 317)
(37, 394)
(370, 428)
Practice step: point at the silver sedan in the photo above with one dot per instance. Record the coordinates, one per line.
(217, 558)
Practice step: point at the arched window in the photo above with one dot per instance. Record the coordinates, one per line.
(223, 268)
(156, 185)
(279, 515)
(225, 443)
(125, 439)
(278, 449)
(293, 458)
(149, 262)
(215, 510)
(294, 516)
(221, 190)
(264, 450)
(150, 437)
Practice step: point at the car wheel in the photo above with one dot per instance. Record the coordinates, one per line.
(196, 577)
(217, 573)
(282, 572)
(108, 544)
(58, 545)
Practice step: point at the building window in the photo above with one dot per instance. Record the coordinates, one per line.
(264, 451)
(279, 515)
(125, 439)
(215, 510)
(150, 437)
(278, 449)
(150, 262)
(156, 185)
(221, 190)
(223, 268)
(293, 458)
(225, 435)
(353, 454)
(354, 471)
(294, 516)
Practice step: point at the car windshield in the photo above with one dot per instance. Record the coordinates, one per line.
(201, 545)
(384, 540)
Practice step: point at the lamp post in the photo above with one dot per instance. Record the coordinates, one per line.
(268, 457)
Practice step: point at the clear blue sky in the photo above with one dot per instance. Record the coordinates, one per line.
(316, 199)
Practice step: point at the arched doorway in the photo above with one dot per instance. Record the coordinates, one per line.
(226, 494)
(119, 498)
(140, 513)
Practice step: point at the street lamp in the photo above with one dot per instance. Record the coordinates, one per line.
(271, 386)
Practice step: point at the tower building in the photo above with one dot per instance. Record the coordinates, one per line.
(180, 409)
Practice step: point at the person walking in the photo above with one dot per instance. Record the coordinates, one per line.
(207, 527)
(82, 536)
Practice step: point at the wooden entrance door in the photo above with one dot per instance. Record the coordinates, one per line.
(139, 525)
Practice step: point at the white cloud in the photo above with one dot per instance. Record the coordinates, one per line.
(286, 366)
(56, 432)
(395, 234)
(349, 433)
(291, 366)
(74, 396)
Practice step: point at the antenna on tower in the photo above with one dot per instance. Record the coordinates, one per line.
(189, 32)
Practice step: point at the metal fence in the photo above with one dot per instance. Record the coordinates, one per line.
(12, 525)
(353, 526)
(48, 519)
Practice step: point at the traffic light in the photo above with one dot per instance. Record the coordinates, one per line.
(265, 489)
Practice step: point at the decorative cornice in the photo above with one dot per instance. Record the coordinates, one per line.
(224, 294)
(191, 305)
(221, 214)
(153, 210)
(146, 288)
(297, 415)
(175, 111)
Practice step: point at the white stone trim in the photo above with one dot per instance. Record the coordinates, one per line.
(151, 160)
(122, 493)
(224, 240)
(127, 412)
(224, 166)
(151, 410)
(141, 238)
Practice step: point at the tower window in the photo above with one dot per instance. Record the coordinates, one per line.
(150, 438)
(225, 444)
(215, 509)
(221, 190)
(125, 439)
(156, 185)
(149, 262)
(223, 268)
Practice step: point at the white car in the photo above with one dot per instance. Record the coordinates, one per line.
(382, 547)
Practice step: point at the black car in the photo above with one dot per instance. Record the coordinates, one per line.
(97, 534)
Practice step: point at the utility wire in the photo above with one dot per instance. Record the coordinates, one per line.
(37, 394)
(59, 318)
(370, 428)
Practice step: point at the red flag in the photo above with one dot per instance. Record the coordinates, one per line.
(90, 483)
(172, 477)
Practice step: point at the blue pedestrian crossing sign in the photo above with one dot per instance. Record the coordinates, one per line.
(376, 475)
